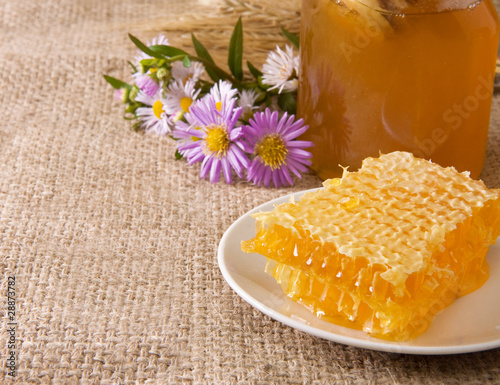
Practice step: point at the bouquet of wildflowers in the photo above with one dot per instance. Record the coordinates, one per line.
(220, 119)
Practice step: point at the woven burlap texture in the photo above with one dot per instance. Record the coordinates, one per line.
(113, 243)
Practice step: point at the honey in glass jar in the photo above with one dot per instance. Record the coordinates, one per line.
(384, 75)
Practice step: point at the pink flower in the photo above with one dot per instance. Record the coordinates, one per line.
(210, 137)
(276, 151)
(146, 84)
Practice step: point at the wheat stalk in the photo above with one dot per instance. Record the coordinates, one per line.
(213, 22)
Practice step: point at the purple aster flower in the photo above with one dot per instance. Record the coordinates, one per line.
(271, 140)
(210, 137)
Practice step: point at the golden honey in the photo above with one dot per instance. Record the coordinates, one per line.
(415, 76)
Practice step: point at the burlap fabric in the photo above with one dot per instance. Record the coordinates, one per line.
(113, 242)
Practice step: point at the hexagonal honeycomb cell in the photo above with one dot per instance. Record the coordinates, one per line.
(385, 248)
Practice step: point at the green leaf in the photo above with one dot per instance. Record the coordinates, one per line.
(144, 48)
(218, 71)
(178, 155)
(292, 37)
(254, 71)
(202, 52)
(186, 62)
(288, 103)
(137, 127)
(167, 50)
(177, 54)
(261, 97)
(148, 62)
(265, 87)
(235, 56)
(134, 68)
(117, 84)
(132, 108)
(269, 100)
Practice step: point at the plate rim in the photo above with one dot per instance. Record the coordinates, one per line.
(378, 344)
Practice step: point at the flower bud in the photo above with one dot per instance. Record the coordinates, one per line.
(121, 95)
(133, 93)
(163, 74)
(147, 85)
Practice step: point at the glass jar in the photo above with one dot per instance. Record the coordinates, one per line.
(414, 75)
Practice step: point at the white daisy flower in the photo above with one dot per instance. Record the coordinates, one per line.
(154, 118)
(246, 101)
(179, 98)
(183, 74)
(281, 70)
(223, 91)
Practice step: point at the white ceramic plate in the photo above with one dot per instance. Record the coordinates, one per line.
(471, 323)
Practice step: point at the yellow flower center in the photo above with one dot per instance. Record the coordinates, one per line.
(158, 109)
(186, 102)
(218, 105)
(217, 140)
(187, 78)
(272, 150)
(284, 72)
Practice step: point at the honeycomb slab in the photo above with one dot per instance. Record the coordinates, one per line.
(385, 248)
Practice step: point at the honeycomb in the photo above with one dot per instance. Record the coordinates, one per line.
(385, 248)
